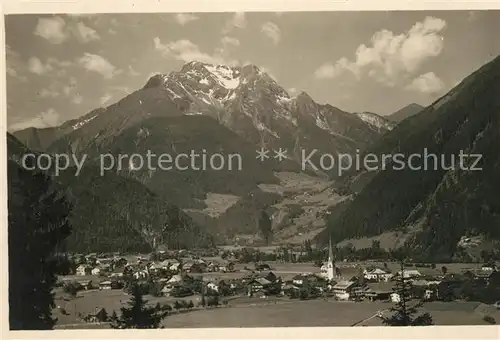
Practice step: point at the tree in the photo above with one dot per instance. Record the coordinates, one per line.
(70, 289)
(138, 314)
(265, 226)
(403, 314)
(444, 270)
(38, 226)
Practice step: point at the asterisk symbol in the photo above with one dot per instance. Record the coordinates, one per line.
(262, 154)
(280, 154)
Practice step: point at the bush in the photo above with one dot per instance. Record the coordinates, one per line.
(70, 289)
(213, 301)
(178, 305)
(489, 319)
(190, 304)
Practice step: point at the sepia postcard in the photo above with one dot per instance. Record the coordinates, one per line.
(308, 171)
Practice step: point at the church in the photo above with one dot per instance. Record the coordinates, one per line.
(328, 269)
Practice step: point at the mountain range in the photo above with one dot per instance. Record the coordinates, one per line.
(218, 109)
(405, 112)
(238, 110)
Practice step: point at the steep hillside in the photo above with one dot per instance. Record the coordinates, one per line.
(378, 123)
(405, 112)
(218, 109)
(436, 206)
(114, 212)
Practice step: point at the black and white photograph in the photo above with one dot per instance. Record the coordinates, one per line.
(253, 169)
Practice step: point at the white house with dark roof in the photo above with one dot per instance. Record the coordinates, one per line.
(377, 274)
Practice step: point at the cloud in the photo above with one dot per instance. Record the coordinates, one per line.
(238, 20)
(57, 31)
(391, 56)
(15, 66)
(185, 18)
(70, 86)
(272, 31)
(427, 83)
(37, 67)
(96, 63)
(77, 99)
(326, 71)
(226, 41)
(132, 72)
(52, 29)
(85, 33)
(187, 51)
(51, 92)
(48, 118)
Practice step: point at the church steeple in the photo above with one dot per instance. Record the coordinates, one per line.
(330, 265)
(330, 251)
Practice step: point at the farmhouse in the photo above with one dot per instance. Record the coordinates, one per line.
(258, 284)
(379, 291)
(343, 289)
(377, 274)
(410, 273)
(83, 270)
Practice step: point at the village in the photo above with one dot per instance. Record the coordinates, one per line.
(186, 281)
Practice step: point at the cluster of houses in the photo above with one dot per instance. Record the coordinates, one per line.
(426, 283)
(115, 269)
(197, 276)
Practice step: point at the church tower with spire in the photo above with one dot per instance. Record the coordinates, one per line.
(330, 266)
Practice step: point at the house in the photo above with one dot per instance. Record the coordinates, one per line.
(227, 267)
(175, 279)
(343, 289)
(301, 278)
(488, 268)
(268, 275)
(120, 261)
(298, 280)
(377, 274)
(262, 266)
(140, 274)
(116, 274)
(213, 286)
(198, 267)
(395, 297)
(379, 291)
(175, 266)
(84, 284)
(258, 284)
(99, 316)
(111, 284)
(289, 289)
(105, 285)
(83, 270)
(410, 273)
(213, 267)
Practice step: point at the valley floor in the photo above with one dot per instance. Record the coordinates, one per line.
(269, 312)
(254, 312)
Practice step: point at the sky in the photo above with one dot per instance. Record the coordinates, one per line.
(60, 67)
